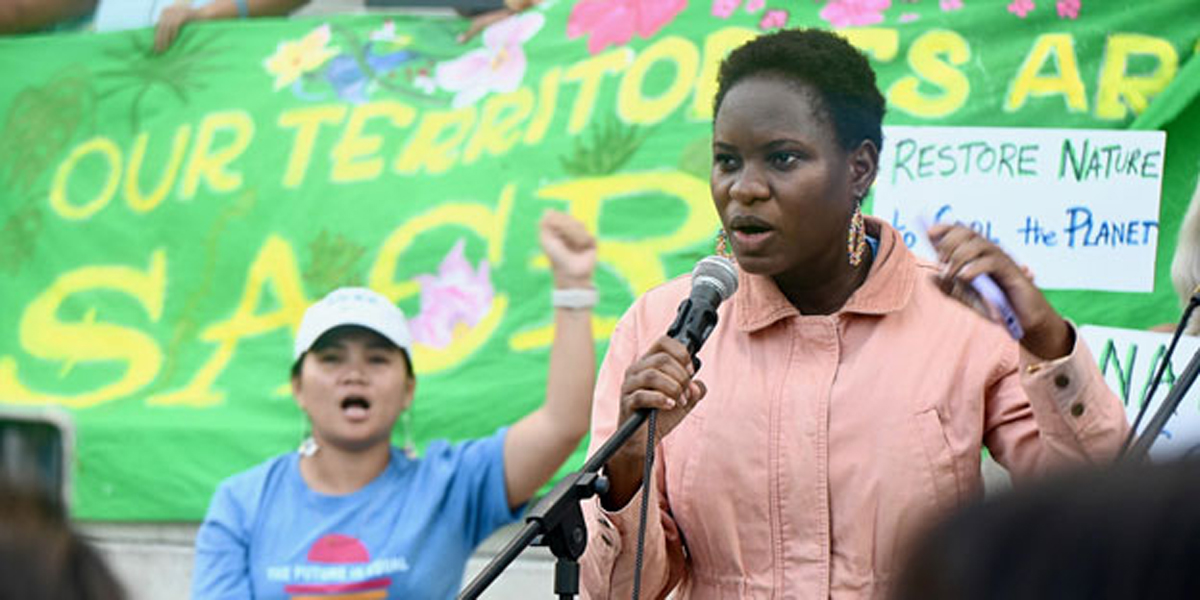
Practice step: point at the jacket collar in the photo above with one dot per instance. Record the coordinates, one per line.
(889, 284)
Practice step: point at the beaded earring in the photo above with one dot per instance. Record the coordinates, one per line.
(308, 447)
(856, 241)
(723, 245)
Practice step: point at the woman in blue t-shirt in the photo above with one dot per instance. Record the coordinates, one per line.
(351, 515)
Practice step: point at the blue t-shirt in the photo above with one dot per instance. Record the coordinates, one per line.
(406, 534)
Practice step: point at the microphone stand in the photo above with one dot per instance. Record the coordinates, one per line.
(1150, 435)
(557, 521)
(1141, 447)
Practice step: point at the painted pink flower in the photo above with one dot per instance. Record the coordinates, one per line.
(852, 13)
(753, 6)
(951, 5)
(456, 295)
(1021, 7)
(1068, 9)
(724, 8)
(497, 67)
(613, 22)
(773, 19)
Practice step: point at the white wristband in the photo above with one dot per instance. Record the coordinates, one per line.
(574, 298)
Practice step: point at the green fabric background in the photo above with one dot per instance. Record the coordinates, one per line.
(139, 458)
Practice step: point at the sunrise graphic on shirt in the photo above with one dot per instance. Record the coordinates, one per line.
(337, 549)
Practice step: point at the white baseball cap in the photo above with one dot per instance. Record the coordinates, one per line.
(352, 306)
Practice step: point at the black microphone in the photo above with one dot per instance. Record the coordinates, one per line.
(714, 280)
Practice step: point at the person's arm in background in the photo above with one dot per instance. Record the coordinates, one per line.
(174, 17)
(483, 20)
(221, 567)
(539, 443)
(19, 16)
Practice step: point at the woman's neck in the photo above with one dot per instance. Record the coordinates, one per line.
(338, 472)
(827, 293)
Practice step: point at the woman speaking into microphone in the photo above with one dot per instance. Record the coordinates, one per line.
(846, 395)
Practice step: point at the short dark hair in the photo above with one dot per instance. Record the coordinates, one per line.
(328, 337)
(836, 71)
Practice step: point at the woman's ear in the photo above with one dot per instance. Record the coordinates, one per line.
(864, 165)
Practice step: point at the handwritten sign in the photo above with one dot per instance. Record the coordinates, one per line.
(1128, 359)
(1079, 207)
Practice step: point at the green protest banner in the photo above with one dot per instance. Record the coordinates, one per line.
(165, 219)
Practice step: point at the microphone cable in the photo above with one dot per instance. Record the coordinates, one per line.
(1162, 368)
(647, 473)
(714, 280)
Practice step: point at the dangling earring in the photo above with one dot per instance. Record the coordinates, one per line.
(723, 245)
(308, 447)
(856, 241)
(409, 448)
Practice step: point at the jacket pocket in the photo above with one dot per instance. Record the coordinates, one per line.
(939, 460)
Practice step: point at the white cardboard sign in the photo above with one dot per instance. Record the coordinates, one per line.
(1128, 359)
(1079, 207)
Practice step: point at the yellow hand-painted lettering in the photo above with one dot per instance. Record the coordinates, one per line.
(490, 225)
(586, 198)
(431, 147)
(1066, 82)
(354, 155)
(43, 334)
(496, 132)
(212, 165)
(881, 44)
(107, 151)
(717, 45)
(925, 58)
(1119, 91)
(589, 73)
(275, 266)
(633, 106)
(133, 190)
(307, 122)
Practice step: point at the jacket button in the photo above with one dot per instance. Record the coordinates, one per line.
(1077, 409)
(1062, 380)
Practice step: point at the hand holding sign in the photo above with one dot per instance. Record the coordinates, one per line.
(966, 255)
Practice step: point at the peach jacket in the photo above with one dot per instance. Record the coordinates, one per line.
(824, 440)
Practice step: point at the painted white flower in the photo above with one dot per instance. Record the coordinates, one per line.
(457, 296)
(497, 67)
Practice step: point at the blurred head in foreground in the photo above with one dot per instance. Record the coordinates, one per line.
(1126, 533)
(42, 558)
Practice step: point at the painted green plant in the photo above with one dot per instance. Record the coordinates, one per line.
(187, 324)
(185, 69)
(18, 236)
(40, 124)
(333, 262)
(608, 147)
